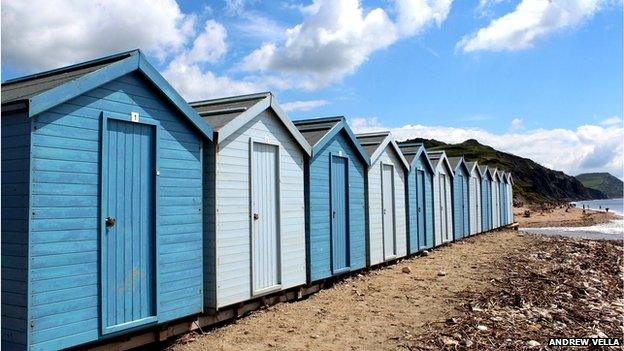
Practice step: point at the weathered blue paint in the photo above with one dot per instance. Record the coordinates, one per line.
(461, 205)
(339, 213)
(420, 197)
(128, 245)
(61, 298)
(336, 156)
(486, 198)
(504, 208)
(15, 200)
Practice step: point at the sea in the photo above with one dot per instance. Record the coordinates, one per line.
(613, 230)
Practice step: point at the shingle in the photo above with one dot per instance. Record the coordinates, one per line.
(29, 86)
(220, 112)
(314, 130)
(371, 141)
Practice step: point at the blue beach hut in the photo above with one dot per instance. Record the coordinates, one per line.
(419, 197)
(335, 178)
(461, 203)
(101, 204)
(496, 217)
(442, 198)
(504, 207)
(486, 198)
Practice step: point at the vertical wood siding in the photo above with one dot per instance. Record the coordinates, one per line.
(495, 204)
(15, 187)
(232, 252)
(417, 240)
(475, 202)
(319, 215)
(376, 252)
(65, 230)
(486, 200)
(439, 220)
(210, 239)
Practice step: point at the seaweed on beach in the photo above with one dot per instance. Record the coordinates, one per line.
(558, 287)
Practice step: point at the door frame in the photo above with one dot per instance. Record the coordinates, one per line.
(106, 116)
(420, 195)
(278, 217)
(383, 228)
(442, 179)
(347, 214)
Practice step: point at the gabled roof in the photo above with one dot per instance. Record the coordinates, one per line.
(227, 115)
(413, 151)
(473, 166)
(485, 171)
(495, 174)
(457, 163)
(503, 176)
(510, 178)
(320, 131)
(42, 91)
(375, 143)
(438, 157)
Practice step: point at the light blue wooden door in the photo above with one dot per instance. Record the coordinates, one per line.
(128, 247)
(458, 207)
(339, 213)
(465, 206)
(265, 218)
(420, 206)
(387, 194)
(443, 208)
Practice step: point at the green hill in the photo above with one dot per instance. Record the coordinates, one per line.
(604, 182)
(532, 181)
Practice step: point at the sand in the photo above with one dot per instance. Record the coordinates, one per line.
(378, 310)
(559, 217)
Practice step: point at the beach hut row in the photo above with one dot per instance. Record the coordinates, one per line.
(126, 208)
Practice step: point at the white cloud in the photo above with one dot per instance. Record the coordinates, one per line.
(530, 21)
(208, 46)
(612, 122)
(43, 34)
(588, 148)
(516, 125)
(338, 36)
(303, 105)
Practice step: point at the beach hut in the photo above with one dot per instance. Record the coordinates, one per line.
(255, 218)
(474, 198)
(442, 198)
(510, 218)
(495, 187)
(461, 205)
(335, 178)
(387, 234)
(486, 198)
(419, 197)
(101, 212)
(504, 208)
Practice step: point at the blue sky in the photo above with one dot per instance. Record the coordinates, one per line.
(542, 79)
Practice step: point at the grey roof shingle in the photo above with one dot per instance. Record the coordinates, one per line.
(454, 161)
(26, 87)
(410, 150)
(220, 112)
(371, 141)
(315, 129)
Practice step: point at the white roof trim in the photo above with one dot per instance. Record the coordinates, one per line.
(255, 110)
(382, 146)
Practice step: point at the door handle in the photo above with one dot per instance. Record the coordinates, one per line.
(110, 221)
(333, 214)
(384, 211)
(256, 216)
(419, 210)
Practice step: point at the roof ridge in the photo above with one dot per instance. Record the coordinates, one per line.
(233, 98)
(52, 72)
(370, 134)
(315, 120)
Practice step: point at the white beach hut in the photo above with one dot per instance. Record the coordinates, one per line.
(442, 198)
(387, 224)
(474, 198)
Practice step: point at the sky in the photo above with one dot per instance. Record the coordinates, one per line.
(542, 79)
